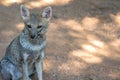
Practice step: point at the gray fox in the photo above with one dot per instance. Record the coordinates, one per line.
(24, 56)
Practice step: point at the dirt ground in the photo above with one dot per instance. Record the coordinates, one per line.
(83, 37)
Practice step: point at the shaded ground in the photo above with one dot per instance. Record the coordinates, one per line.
(83, 37)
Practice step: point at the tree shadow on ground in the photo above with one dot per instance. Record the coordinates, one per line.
(83, 38)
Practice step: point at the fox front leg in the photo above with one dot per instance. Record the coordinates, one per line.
(25, 67)
(39, 66)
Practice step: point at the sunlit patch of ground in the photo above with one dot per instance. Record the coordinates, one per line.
(116, 18)
(86, 56)
(90, 23)
(10, 2)
(41, 3)
(20, 26)
(35, 3)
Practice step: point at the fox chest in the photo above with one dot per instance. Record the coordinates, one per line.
(32, 57)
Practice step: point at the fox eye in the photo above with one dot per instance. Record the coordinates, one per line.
(29, 26)
(39, 26)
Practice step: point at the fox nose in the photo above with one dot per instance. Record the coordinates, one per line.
(33, 36)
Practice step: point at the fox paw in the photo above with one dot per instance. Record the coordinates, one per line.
(27, 79)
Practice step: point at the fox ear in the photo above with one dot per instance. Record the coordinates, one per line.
(47, 13)
(24, 12)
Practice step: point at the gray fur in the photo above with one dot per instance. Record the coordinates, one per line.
(24, 56)
(26, 44)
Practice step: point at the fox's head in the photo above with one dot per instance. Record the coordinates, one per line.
(36, 24)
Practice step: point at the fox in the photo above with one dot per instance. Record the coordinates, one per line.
(24, 55)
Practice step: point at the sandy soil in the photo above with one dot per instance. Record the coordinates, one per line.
(83, 37)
